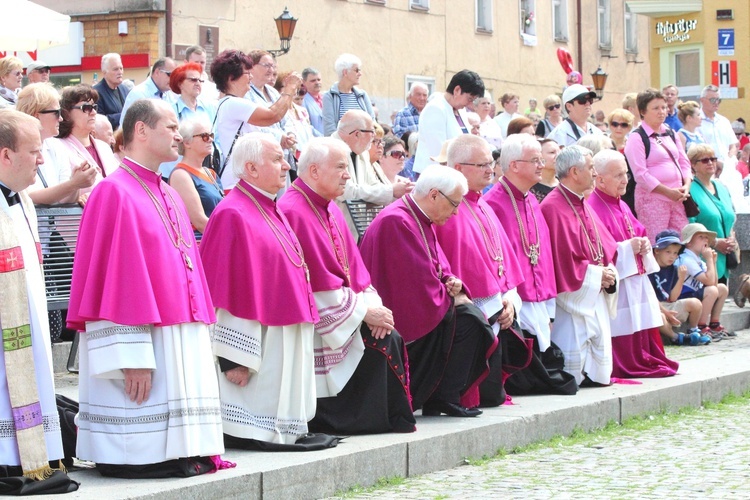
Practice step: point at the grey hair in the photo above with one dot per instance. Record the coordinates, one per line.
(418, 85)
(309, 71)
(442, 178)
(412, 143)
(486, 95)
(514, 146)
(569, 157)
(353, 119)
(317, 150)
(344, 62)
(106, 58)
(709, 88)
(463, 147)
(248, 148)
(594, 142)
(603, 158)
(187, 129)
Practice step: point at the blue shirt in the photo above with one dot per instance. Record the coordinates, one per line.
(406, 119)
(201, 109)
(672, 120)
(663, 282)
(316, 115)
(145, 90)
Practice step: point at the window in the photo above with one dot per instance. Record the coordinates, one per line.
(427, 80)
(631, 31)
(686, 78)
(484, 16)
(560, 20)
(605, 24)
(376, 2)
(528, 17)
(419, 4)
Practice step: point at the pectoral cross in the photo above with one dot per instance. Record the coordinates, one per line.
(307, 272)
(533, 254)
(188, 261)
(500, 269)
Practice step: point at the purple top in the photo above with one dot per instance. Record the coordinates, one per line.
(539, 284)
(254, 271)
(326, 263)
(127, 269)
(464, 244)
(570, 247)
(408, 282)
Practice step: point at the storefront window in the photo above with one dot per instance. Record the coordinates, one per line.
(687, 74)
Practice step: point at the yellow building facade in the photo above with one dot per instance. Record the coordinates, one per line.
(512, 44)
(695, 43)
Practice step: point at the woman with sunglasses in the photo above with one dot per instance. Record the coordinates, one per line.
(55, 182)
(199, 187)
(663, 175)
(620, 122)
(393, 159)
(78, 107)
(715, 203)
(553, 106)
(11, 76)
(186, 81)
(689, 114)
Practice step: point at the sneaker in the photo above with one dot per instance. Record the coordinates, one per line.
(739, 297)
(697, 338)
(680, 340)
(725, 334)
(714, 335)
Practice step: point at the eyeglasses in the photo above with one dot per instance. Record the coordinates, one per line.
(539, 162)
(194, 80)
(399, 155)
(707, 160)
(364, 131)
(267, 65)
(168, 73)
(206, 136)
(584, 100)
(86, 108)
(483, 166)
(56, 112)
(614, 124)
(553, 107)
(377, 142)
(453, 203)
(715, 100)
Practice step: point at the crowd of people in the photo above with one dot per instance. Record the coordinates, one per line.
(225, 297)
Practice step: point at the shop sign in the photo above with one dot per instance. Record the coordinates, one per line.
(678, 31)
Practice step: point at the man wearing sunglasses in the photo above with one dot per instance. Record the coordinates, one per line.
(715, 128)
(578, 101)
(153, 87)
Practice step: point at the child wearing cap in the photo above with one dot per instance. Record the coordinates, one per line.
(668, 283)
(702, 281)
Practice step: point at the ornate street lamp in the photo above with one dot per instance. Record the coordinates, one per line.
(600, 80)
(285, 24)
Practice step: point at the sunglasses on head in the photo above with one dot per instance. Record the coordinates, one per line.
(553, 107)
(584, 100)
(206, 136)
(614, 124)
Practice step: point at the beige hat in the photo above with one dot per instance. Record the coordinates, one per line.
(442, 158)
(696, 228)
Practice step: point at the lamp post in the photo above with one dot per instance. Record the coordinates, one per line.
(285, 24)
(600, 80)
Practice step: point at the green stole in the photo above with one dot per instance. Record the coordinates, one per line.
(19, 358)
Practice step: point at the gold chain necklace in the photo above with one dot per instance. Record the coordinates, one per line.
(178, 239)
(493, 245)
(531, 250)
(279, 235)
(424, 238)
(342, 259)
(628, 224)
(597, 255)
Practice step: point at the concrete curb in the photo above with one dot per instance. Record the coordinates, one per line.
(440, 442)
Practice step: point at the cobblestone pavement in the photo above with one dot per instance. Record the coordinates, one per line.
(703, 453)
(697, 454)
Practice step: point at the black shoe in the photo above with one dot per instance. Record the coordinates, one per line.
(435, 408)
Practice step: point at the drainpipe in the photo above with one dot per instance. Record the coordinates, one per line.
(168, 27)
(579, 36)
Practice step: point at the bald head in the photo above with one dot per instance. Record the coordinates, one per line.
(356, 130)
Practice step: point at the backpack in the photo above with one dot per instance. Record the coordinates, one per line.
(644, 137)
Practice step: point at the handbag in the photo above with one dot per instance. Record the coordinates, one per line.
(691, 207)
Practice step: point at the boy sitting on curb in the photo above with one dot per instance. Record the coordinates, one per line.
(702, 281)
(667, 283)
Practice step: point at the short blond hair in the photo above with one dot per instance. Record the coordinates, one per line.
(8, 64)
(37, 97)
